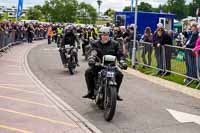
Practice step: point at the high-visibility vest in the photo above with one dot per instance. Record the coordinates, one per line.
(60, 30)
(50, 32)
(95, 30)
(87, 35)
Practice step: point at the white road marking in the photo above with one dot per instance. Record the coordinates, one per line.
(184, 117)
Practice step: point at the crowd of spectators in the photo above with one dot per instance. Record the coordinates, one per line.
(23, 31)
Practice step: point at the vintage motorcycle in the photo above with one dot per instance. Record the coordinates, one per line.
(105, 92)
(70, 53)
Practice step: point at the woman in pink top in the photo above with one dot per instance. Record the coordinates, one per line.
(197, 45)
(196, 51)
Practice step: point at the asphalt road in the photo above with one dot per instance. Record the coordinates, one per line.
(144, 109)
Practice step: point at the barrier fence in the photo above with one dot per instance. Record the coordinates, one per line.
(8, 38)
(170, 59)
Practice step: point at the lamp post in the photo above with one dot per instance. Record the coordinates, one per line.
(99, 2)
(131, 5)
(135, 34)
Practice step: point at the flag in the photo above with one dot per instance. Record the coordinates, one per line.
(20, 8)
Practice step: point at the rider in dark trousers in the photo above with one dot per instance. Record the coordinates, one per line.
(104, 46)
(69, 38)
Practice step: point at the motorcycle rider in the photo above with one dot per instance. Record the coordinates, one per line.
(87, 35)
(104, 46)
(59, 33)
(69, 38)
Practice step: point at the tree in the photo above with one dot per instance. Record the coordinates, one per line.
(127, 8)
(146, 7)
(87, 13)
(34, 14)
(177, 7)
(60, 10)
(164, 8)
(192, 7)
(110, 12)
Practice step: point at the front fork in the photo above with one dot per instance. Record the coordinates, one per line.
(108, 83)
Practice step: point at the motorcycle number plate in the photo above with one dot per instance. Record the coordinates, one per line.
(110, 74)
(67, 46)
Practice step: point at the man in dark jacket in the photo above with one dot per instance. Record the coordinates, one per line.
(30, 31)
(160, 38)
(190, 59)
(104, 46)
(69, 38)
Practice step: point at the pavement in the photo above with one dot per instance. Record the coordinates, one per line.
(28, 106)
(150, 105)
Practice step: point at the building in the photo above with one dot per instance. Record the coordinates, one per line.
(2, 10)
(12, 11)
(104, 17)
(187, 21)
(145, 19)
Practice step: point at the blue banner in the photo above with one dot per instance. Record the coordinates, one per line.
(20, 8)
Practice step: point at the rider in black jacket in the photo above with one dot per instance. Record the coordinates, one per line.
(69, 38)
(104, 46)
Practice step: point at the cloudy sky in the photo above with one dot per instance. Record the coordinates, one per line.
(115, 4)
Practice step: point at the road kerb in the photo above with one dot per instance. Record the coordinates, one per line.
(71, 113)
(165, 83)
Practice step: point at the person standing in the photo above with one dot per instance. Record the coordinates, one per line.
(190, 59)
(159, 40)
(50, 34)
(30, 33)
(148, 39)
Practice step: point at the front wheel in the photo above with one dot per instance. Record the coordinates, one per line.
(110, 102)
(72, 65)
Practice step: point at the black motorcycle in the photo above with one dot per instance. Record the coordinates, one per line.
(105, 92)
(59, 40)
(70, 53)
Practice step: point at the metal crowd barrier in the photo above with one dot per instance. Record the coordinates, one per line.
(9, 38)
(169, 59)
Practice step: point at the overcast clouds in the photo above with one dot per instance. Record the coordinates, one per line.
(115, 4)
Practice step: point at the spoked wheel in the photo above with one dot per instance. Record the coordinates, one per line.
(110, 102)
(72, 65)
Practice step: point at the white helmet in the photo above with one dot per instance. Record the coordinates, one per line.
(132, 26)
(90, 27)
(68, 27)
(104, 30)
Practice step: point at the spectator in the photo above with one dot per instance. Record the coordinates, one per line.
(159, 40)
(30, 33)
(50, 34)
(190, 59)
(148, 38)
(197, 52)
(168, 51)
(129, 40)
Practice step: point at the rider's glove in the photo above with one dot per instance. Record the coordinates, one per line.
(79, 47)
(123, 65)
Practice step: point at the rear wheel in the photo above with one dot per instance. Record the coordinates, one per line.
(110, 102)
